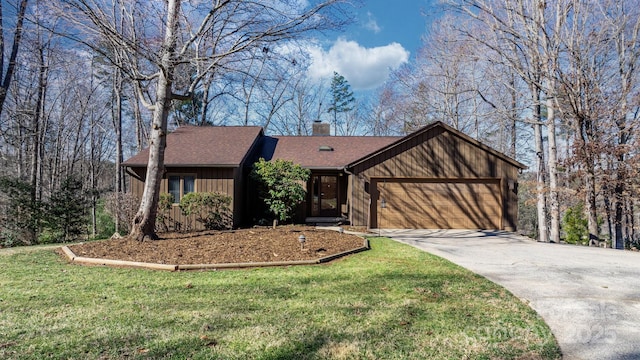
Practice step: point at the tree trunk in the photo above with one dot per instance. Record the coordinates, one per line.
(92, 174)
(619, 195)
(513, 112)
(144, 222)
(554, 205)
(631, 221)
(205, 102)
(584, 129)
(140, 133)
(541, 204)
(590, 200)
(35, 142)
(621, 173)
(117, 127)
(619, 201)
(17, 36)
(540, 184)
(609, 201)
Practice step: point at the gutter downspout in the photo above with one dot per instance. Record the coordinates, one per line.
(350, 194)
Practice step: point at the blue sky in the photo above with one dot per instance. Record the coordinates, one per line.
(382, 22)
(386, 35)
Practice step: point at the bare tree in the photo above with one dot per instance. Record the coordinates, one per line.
(456, 80)
(548, 30)
(306, 106)
(277, 89)
(7, 76)
(533, 29)
(587, 55)
(167, 37)
(267, 84)
(623, 24)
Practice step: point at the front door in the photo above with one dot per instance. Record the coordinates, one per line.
(325, 196)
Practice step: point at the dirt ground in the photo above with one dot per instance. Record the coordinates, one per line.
(235, 246)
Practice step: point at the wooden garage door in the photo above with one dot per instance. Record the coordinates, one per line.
(439, 205)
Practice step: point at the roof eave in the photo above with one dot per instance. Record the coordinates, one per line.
(331, 168)
(188, 165)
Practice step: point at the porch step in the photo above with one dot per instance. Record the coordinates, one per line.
(327, 221)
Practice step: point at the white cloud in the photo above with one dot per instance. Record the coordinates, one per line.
(364, 68)
(372, 24)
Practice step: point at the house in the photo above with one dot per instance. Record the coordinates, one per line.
(202, 159)
(436, 177)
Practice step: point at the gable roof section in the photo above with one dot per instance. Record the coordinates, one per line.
(229, 146)
(337, 152)
(447, 128)
(218, 146)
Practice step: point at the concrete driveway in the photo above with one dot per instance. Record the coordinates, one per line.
(590, 297)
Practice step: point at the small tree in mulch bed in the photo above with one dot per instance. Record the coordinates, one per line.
(281, 185)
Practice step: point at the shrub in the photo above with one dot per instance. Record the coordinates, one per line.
(281, 185)
(211, 209)
(125, 208)
(163, 216)
(48, 236)
(575, 225)
(9, 238)
(20, 216)
(66, 219)
(105, 227)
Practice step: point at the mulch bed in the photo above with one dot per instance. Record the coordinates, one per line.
(236, 246)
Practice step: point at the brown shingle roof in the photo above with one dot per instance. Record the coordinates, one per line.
(223, 146)
(305, 150)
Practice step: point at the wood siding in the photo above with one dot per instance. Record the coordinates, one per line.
(434, 155)
(228, 181)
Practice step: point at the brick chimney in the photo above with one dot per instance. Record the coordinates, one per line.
(321, 129)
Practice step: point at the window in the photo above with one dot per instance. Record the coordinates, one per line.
(188, 184)
(180, 185)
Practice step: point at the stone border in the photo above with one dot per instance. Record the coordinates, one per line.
(170, 267)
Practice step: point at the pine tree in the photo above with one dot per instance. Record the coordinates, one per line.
(67, 211)
(341, 98)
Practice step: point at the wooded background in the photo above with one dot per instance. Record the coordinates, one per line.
(553, 84)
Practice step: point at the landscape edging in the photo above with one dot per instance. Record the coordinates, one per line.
(345, 253)
(171, 267)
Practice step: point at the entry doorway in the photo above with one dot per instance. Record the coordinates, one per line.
(325, 194)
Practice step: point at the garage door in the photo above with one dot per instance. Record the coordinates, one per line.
(439, 205)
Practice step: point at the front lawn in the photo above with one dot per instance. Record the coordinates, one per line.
(393, 302)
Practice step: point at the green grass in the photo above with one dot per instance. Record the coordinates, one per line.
(393, 302)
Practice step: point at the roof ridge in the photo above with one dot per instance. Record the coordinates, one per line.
(338, 136)
(217, 126)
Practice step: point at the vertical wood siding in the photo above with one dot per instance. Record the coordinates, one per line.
(221, 180)
(434, 154)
